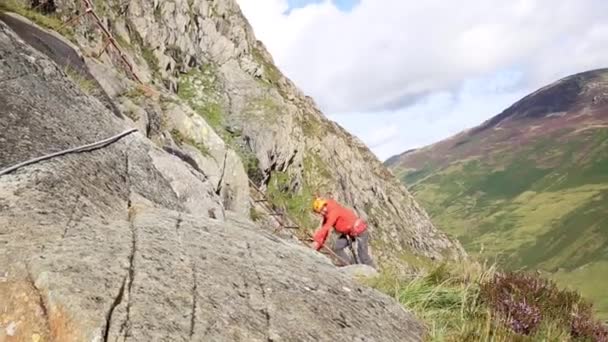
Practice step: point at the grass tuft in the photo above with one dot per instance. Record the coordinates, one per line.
(468, 302)
(180, 139)
(88, 86)
(255, 215)
(199, 89)
(51, 21)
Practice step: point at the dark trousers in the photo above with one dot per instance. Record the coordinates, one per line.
(362, 241)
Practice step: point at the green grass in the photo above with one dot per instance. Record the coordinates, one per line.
(49, 21)
(251, 163)
(122, 42)
(265, 108)
(200, 90)
(296, 199)
(271, 72)
(255, 215)
(590, 281)
(180, 139)
(415, 176)
(132, 115)
(457, 302)
(88, 86)
(145, 51)
(296, 202)
(151, 60)
(311, 126)
(138, 94)
(541, 207)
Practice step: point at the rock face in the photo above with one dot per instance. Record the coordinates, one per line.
(205, 52)
(131, 242)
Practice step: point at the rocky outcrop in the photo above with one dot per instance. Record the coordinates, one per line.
(130, 242)
(205, 52)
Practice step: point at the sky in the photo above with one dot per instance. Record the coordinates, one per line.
(403, 74)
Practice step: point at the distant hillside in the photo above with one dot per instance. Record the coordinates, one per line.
(530, 185)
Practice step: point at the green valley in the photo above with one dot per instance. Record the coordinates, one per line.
(527, 192)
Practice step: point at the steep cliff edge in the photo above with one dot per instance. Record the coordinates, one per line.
(206, 53)
(116, 243)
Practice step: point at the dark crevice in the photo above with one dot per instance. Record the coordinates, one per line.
(71, 218)
(45, 7)
(194, 301)
(214, 304)
(178, 224)
(115, 303)
(397, 211)
(218, 189)
(131, 277)
(344, 187)
(263, 291)
(148, 128)
(121, 292)
(131, 272)
(230, 100)
(128, 184)
(41, 302)
(184, 157)
(291, 160)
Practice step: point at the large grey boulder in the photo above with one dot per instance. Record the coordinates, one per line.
(119, 243)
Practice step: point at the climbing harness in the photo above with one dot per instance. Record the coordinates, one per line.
(92, 146)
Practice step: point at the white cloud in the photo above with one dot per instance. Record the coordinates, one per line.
(434, 117)
(391, 57)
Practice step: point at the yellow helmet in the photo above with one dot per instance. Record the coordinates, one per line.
(318, 204)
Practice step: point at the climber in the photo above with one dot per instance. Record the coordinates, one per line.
(347, 224)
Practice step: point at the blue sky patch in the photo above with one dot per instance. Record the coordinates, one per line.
(343, 5)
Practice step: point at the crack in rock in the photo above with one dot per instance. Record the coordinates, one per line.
(218, 188)
(71, 221)
(194, 301)
(128, 183)
(130, 278)
(178, 224)
(397, 211)
(186, 159)
(115, 303)
(214, 321)
(261, 285)
(41, 301)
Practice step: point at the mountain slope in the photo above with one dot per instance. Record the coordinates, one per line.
(205, 52)
(127, 241)
(529, 186)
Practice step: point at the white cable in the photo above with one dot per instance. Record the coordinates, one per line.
(75, 149)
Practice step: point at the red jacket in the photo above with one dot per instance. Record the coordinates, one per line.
(344, 220)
